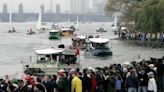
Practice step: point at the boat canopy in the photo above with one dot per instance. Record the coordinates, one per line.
(99, 40)
(66, 29)
(81, 37)
(48, 51)
(54, 31)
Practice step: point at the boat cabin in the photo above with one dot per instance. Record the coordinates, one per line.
(99, 46)
(54, 34)
(78, 42)
(67, 31)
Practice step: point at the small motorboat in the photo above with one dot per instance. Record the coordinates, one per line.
(30, 32)
(101, 30)
(67, 31)
(54, 34)
(12, 30)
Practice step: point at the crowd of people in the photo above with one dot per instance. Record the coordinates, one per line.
(143, 76)
(142, 36)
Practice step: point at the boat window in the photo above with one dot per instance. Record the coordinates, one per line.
(100, 45)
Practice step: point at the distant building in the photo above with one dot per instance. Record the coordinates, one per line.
(20, 8)
(75, 6)
(84, 6)
(58, 9)
(4, 11)
(42, 9)
(51, 6)
(98, 6)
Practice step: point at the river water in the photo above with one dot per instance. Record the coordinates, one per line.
(16, 47)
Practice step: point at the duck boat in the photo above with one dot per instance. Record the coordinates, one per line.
(50, 60)
(99, 47)
(54, 34)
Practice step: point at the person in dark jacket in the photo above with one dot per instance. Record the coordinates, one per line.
(143, 81)
(23, 87)
(86, 82)
(160, 74)
(48, 84)
(131, 82)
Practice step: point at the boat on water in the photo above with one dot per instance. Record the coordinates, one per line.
(12, 30)
(101, 30)
(40, 25)
(54, 34)
(50, 60)
(78, 42)
(67, 31)
(30, 32)
(115, 26)
(99, 47)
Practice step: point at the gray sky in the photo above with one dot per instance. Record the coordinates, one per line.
(33, 5)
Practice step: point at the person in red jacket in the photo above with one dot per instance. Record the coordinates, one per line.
(93, 82)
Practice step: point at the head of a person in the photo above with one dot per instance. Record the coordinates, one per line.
(38, 88)
(150, 75)
(61, 73)
(73, 73)
(21, 83)
(132, 72)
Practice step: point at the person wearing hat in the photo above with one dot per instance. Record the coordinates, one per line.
(76, 83)
(63, 83)
(152, 86)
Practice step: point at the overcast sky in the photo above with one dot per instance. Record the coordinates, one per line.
(33, 5)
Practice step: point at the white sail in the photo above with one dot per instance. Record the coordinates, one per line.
(115, 21)
(10, 18)
(68, 21)
(77, 23)
(115, 27)
(39, 23)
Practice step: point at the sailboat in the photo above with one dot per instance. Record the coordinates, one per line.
(10, 21)
(115, 26)
(41, 26)
(77, 23)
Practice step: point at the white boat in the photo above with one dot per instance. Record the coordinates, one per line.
(50, 60)
(12, 30)
(78, 42)
(77, 23)
(40, 25)
(67, 31)
(115, 26)
(99, 47)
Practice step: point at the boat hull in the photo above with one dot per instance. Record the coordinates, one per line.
(67, 33)
(41, 70)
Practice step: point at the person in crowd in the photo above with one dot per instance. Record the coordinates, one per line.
(86, 81)
(131, 82)
(48, 84)
(152, 86)
(93, 82)
(63, 83)
(143, 81)
(160, 74)
(76, 83)
(23, 86)
(118, 82)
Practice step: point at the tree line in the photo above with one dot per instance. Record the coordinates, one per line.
(147, 15)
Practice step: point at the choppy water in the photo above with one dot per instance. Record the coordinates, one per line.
(16, 47)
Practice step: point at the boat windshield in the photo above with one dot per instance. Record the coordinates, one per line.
(54, 33)
(100, 46)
